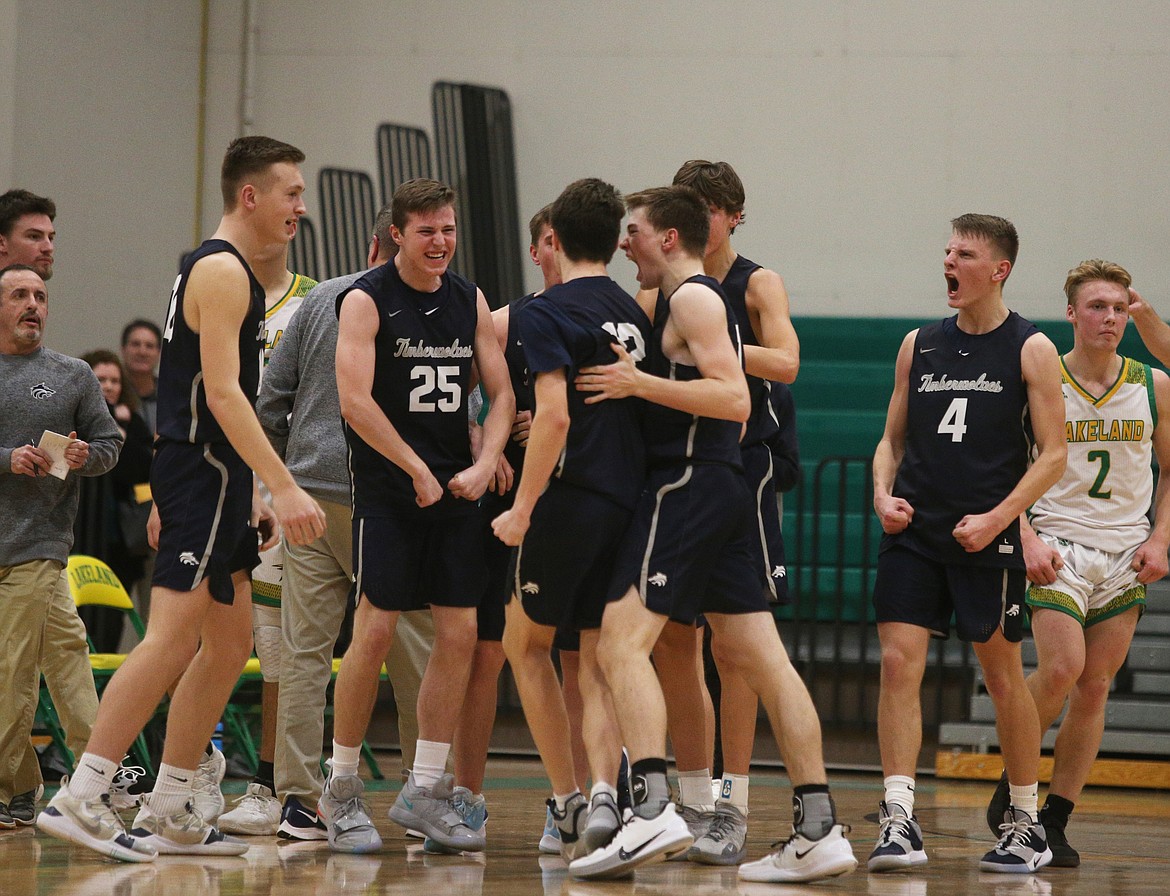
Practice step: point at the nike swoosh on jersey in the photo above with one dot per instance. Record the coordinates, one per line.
(392, 313)
(923, 351)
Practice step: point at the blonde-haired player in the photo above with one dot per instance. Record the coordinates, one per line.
(1090, 548)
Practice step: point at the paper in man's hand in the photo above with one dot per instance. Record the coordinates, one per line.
(54, 445)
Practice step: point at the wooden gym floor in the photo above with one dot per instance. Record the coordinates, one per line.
(1123, 837)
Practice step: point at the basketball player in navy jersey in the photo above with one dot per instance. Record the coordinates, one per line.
(583, 469)
(408, 335)
(566, 642)
(687, 551)
(771, 352)
(950, 480)
(209, 442)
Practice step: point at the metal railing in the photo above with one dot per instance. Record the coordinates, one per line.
(829, 628)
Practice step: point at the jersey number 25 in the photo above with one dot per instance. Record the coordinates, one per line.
(444, 380)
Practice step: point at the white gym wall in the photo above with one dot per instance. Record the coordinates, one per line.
(859, 128)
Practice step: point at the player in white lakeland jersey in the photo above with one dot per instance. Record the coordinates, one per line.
(1090, 548)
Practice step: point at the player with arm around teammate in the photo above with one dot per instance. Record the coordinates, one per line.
(686, 552)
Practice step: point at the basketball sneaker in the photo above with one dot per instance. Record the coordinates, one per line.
(92, 823)
(23, 807)
(625, 797)
(899, 843)
(550, 838)
(800, 859)
(1022, 847)
(725, 840)
(257, 812)
(298, 822)
(698, 821)
(472, 808)
(7, 822)
(184, 833)
(641, 841)
(431, 811)
(346, 815)
(206, 795)
(603, 822)
(1063, 855)
(1001, 801)
(569, 825)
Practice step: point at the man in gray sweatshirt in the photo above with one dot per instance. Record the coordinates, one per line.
(39, 390)
(301, 414)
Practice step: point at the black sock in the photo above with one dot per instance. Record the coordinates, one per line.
(1057, 808)
(651, 790)
(266, 776)
(813, 811)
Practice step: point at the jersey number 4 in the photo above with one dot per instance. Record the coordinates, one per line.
(444, 380)
(954, 421)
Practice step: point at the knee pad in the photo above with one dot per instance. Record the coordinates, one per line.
(268, 649)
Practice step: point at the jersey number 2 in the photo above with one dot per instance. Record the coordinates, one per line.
(1097, 489)
(954, 421)
(444, 379)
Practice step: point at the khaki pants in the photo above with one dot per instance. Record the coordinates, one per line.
(40, 631)
(317, 581)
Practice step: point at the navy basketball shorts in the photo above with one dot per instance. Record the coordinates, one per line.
(766, 541)
(919, 591)
(411, 559)
(204, 498)
(496, 584)
(567, 639)
(563, 568)
(687, 550)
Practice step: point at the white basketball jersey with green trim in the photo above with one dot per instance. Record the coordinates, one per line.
(1106, 490)
(277, 317)
(267, 577)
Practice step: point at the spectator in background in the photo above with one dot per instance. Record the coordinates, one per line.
(26, 231)
(111, 521)
(27, 238)
(42, 390)
(141, 350)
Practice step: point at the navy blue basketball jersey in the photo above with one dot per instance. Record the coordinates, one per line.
(762, 424)
(968, 438)
(423, 355)
(571, 326)
(674, 436)
(183, 415)
(520, 377)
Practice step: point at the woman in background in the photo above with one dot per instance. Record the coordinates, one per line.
(111, 522)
